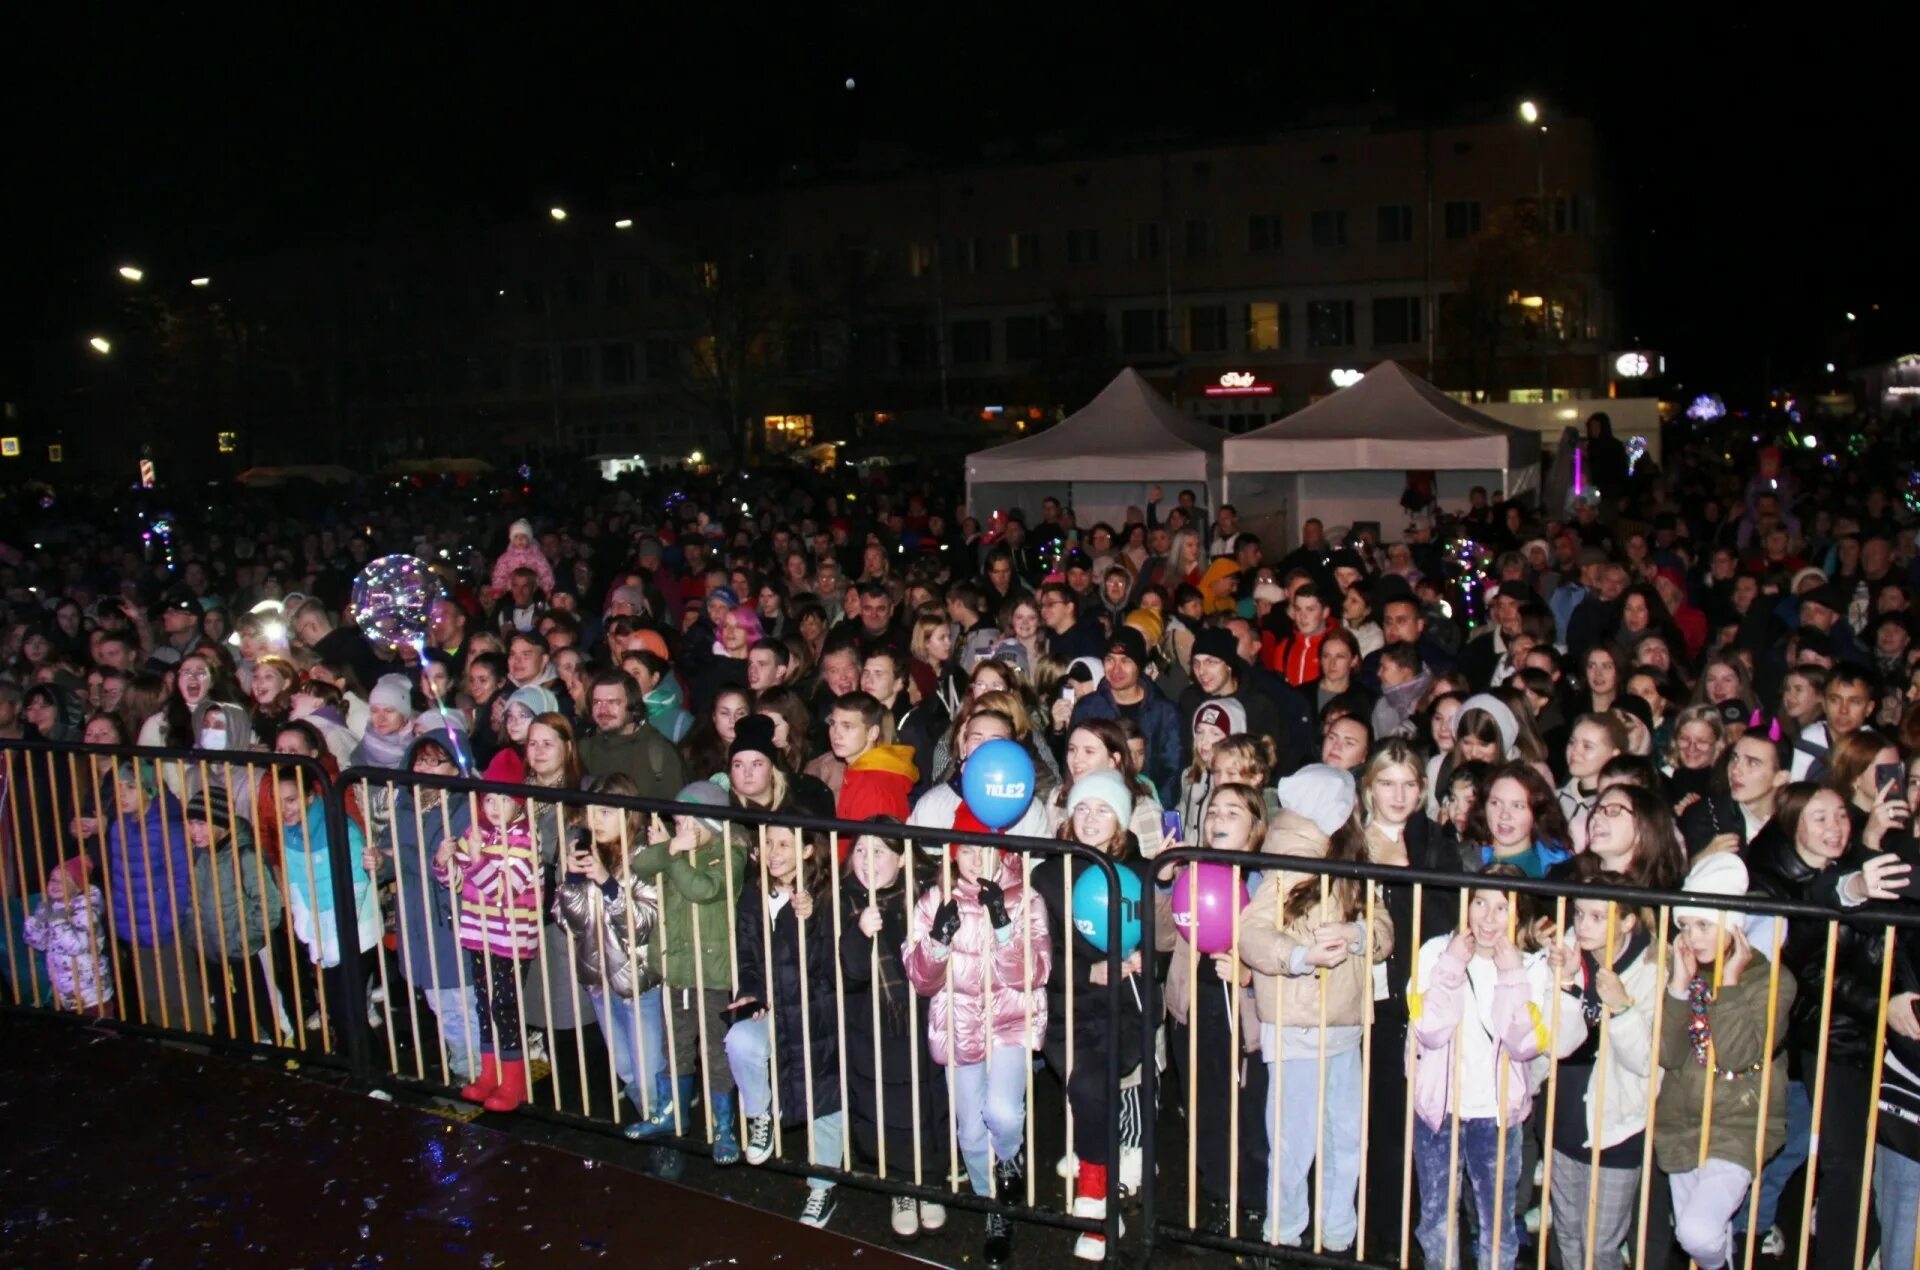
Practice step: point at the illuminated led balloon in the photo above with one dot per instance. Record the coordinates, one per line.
(1636, 450)
(393, 600)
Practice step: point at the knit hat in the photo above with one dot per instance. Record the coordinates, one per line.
(1215, 641)
(1501, 715)
(1269, 593)
(1087, 670)
(1225, 713)
(73, 873)
(507, 768)
(1149, 623)
(652, 641)
(1793, 587)
(631, 596)
(521, 526)
(753, 735)
(1130, 644)
(704, 794)
(1321, 793)
(535, 697)
(1014, 653)
(394, 692)
(1721, 874)
(725, 595)
(441, 720)
(1108, 787)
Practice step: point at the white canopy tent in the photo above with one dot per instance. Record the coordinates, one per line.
(1100, 459)
(1345, 458)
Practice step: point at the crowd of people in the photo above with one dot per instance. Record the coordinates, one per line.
(1703, 681)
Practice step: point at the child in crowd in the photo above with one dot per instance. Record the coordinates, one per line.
(1477, 1026)
(1306, 939)
(982, 953)
(69, 926)
(885, 1051)
(1202, 993)
(1713, 1045)
(496, 875)
(784, 1050)
(521, 553)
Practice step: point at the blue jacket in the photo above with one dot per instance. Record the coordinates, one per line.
(1159, 721)
(429, 958)
(152, 876)
(315, 890)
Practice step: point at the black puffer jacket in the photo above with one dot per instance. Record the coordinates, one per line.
(792, 1044)
(1775, 869)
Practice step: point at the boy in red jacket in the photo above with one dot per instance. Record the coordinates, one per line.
(880, 775)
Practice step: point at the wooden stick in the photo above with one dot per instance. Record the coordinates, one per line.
(106, 892)
(220, 927)
(699, 1006)
(1713, 1062)
(1406, 1167)
(1766, 1092)
(540, 951)
(399, 928)
(1193, 1045)
(806, 1009)
(380, 953)
(1320, 1106)
(840, 1003)
(953, 1047)
(1653, 1084)
(460, 959)
(1812, 1165)
(1453, 1088)
(1026, 996)
(1066, 1082)
(1599, 1107)
(1553, 1079)
(426, 924)
(153, 907)
(1277, 1082)
(1873, 1103)
(773, 1025)
(913, 1031)
(13, 960)
(986, 1059)
(873, 1000)
(639, 1058)
(1366, 1071)
(39, 856)
(1504, 1079)
(1233, 1066)
(199, 936)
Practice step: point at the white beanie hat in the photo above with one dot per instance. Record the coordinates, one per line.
(1225, 713)
(521, 526)
(1106, 786)
(394, 691)
(1502, 718)
(1720, 874)
(1321, 793)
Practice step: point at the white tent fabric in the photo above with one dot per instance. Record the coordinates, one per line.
(1100, 459)
(1344, 459)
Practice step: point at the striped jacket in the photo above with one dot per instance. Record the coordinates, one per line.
(499, 894)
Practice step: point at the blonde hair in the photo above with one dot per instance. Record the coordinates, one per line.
(925, 622)
(1251, 753)
(1393, 752)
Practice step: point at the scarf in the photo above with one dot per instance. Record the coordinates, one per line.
(1699, 1028)
(891, 987)
(378, 750)
(1591, 1007)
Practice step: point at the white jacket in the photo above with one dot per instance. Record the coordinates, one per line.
(1629, 1052)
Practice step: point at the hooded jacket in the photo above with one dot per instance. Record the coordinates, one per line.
(422, 819)
(666, 712)
(150, 873)
(964, 1011)
(1738, 1018)
(239, 901)
(878, 783)
(703, 883)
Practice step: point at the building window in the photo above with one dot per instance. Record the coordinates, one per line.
(1266, 326)
(919, 259)
(533, 368)
(1463, 218)
(1143, 331)
(576, 366)
(972, 342)
(1330, 228)
(1023, 252)
(913, 346)
(1026, 338)
(966, 255)
(616, 364)
(1199, 239)
(1083, 246)
(1146, 240)
(1396, 223)
(1396, 320)
(1263, 232)
(1329, 324)
(1207, 328)
(788, 432)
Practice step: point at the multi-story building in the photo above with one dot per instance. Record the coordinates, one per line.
(1244, 279)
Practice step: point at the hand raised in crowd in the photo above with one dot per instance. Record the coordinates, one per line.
(1223, 966)
(994, 900)
(870, 921)
(1612, 992)
(802, 903)
(1330, 945)
(1461, 947)
(1505, 955)
(1565, 960)
(1739, 955)
(1890, 812)
(1682, 969)
(946, 923)
(1885, 876)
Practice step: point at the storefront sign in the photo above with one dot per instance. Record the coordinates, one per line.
(1239, 383)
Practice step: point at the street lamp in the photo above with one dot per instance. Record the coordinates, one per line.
(132, 273)
(201, 282)
(624, 222)
(1529, 112)
(558, 213)
(101, 345)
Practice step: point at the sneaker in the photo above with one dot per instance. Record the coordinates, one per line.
(760, 1139)
(536, 1047)
(932, 1216)
(818, 1210)
(906, 1218)
(1090, 1247)
(1132, 1164)
(313, 1021)
(377, 995)
(1773, 1243)
(1068, 1166)
(1532, 1221)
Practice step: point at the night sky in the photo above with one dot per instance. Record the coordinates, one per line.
(1755, 165)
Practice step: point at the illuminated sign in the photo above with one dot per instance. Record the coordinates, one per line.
(10, 447)
(1345, 378)
(1239, 383)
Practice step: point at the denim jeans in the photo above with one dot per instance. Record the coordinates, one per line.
(639, 1058)
(1781, 1168)
(750, 1056)
(459, 1021)
(990, 1108)
(1479, 1158)
(1303, 1121)
(1896, 1190)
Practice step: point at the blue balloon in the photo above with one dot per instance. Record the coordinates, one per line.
(1090, 915)
(997, 782)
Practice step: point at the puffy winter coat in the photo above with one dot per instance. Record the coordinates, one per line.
(612, 924)
(239, 901)
(689, 885)
(804, 1029)
(882, 1036)
(151, 875)
(429, 958)
(1097, 1025)
(960, 1012)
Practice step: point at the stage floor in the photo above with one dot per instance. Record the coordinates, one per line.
(119, 1151)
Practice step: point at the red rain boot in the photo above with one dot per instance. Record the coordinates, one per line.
(1090, 1200)
(482, 1089)
(513, 1086)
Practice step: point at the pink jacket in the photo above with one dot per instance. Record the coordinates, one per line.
(499, 895)
(958, 1020)
(522, 558)
(1440, 1014)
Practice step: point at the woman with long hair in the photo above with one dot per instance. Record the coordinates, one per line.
(707, 745)
(1519, 823)
(1099, 745)
(1692, 755)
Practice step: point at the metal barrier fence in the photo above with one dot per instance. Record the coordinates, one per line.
(247, 900)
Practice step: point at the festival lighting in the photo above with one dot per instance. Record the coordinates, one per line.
(558, 213)
(132, 273)
(101, 345)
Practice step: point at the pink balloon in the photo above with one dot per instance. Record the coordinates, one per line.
(1203, 912)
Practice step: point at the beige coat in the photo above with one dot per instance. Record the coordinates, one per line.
(1267, 942)
(1177, 994)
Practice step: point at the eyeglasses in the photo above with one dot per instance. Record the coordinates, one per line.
(1613, 811)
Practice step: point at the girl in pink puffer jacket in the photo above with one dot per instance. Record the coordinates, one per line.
(981, 954)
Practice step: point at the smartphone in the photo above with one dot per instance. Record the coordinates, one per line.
(1170, 825)
(1069, 694)
(1894, 774)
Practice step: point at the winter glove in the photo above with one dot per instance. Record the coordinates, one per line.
(994, 900)
(946, 923)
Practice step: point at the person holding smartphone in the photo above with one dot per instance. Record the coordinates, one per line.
(1866, 771)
